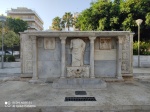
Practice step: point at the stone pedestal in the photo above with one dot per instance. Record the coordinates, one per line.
(78, 72)
(79, 83)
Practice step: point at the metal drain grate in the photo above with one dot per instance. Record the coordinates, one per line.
(80, 99)
(80, 92)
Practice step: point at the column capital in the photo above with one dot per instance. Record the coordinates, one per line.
(120, 39)
(63, 38)
(131, 35)
(92, 38)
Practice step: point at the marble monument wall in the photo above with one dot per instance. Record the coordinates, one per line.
(49, 55)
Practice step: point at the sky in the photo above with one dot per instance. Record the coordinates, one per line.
(46, 9)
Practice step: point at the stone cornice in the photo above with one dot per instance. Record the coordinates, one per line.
(76, 33)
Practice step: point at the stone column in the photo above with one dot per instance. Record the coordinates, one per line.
(119, 57)
(35, 60)
(63, 56)
(92, 57)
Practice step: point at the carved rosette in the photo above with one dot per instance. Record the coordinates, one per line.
(126, 55)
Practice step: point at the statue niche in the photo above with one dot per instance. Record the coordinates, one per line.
(77, 68)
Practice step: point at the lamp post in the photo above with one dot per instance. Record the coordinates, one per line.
(2, 19)
(138, 22)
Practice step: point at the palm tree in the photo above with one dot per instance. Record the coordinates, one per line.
(56, 23)
(67, 20)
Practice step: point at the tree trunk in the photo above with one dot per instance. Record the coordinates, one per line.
(12, 50)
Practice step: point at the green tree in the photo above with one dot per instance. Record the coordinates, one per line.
(17, 25)
(132, 10)
(116, 15)
(5, 28)
(10, 39)
(56, 24)
(97, 17)
(67, 20)
(84, 20)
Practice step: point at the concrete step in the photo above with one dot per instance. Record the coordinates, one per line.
(141, 72)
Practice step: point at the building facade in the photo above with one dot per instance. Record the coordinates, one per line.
(28, 15)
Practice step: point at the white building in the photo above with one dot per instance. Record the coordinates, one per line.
(31, 17)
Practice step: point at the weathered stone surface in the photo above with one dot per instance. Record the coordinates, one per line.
(105, 68)
(105, 54)
(49, 69)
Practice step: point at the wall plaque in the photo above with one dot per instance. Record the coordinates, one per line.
(105, 43)
(49, 43)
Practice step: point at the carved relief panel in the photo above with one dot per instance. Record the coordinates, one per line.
(105, 43)
(49, 43)
(126, 55)
(40, 42)
(27, 54)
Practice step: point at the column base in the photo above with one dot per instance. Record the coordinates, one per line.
(92, 77)
(120, 78)
(35, 80)
(62, 77)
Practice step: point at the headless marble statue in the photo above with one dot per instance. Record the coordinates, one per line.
(78, 47)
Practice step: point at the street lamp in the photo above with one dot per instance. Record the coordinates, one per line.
(138, 22)
(2, 19)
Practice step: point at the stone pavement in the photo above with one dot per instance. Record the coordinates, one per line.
(117, 97)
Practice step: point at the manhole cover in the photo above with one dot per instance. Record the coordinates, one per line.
(80, 99)
(80, 92)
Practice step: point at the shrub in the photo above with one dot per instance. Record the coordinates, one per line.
(144, 48)
(9, 58)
